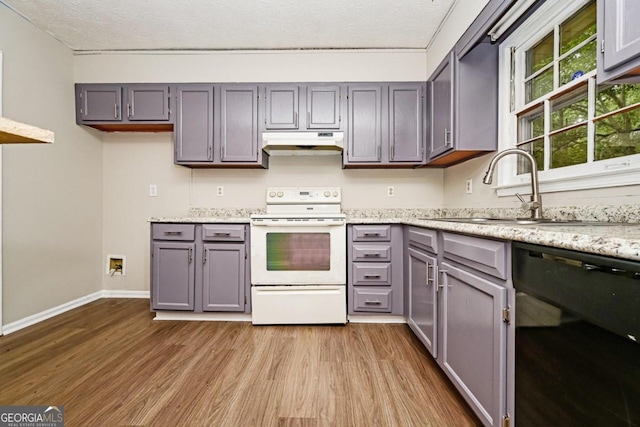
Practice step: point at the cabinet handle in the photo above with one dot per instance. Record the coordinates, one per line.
(222, 233)
(372, 276)
(371, 234)
(308, 119)
(204, 255)
(128, 109)
(172, 233)
(447, 136)
(115, 111)
(429, 278)
(295, 118)
(438, 272)
(373, 302)
(190, 255)
(372, 255)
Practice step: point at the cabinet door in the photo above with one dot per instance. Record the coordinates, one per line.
(365, 124)
(148, 102)
(621, 31)
(406, 141)
(323, 107)
(239, 123)
(441, 93)
(173, 276)
(473, 341)
(223, 280)
(423, 289)
(281, 107)
(101, 103)
(194, 124)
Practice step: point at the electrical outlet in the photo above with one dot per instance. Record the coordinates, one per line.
(153, 190)
(219, 191)
(468, 187)
(391, 191)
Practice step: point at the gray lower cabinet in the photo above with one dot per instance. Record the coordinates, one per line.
(385, 125)
(463, 101)
(132, 107)
(422, 285)
(199, 267)
(475, 282)
(619, 35)
(374, 269)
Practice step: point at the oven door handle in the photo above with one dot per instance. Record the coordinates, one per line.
(297, 224)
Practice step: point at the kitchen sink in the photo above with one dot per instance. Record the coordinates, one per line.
(518, 221)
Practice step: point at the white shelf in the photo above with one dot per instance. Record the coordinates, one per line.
(12, 132)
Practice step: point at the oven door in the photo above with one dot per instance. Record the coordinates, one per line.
(294, 252)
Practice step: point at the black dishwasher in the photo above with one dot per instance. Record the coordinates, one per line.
(577, 356)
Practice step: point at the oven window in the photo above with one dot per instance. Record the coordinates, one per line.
(298, 252)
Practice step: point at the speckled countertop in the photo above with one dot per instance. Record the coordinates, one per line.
(616, 234)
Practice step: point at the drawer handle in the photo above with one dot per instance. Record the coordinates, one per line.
(221, 233)
(372, 276)
(372, 234)
(172, 233)
(373, 302)
(371, 255)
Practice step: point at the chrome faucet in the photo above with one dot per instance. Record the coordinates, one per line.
(535, 204)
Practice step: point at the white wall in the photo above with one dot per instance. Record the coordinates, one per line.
(52, 194)
(133, 161)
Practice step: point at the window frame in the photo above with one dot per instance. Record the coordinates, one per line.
(613, 172)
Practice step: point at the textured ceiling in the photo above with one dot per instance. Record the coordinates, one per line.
(236, 24)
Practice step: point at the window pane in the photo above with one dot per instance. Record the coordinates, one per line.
(530, 126)
(618, 135)
(539, 85)
(535, 148)
(578, 63)
(578, 28)
(540, 55)
(613, 97)
(569, 148)
(570, 110)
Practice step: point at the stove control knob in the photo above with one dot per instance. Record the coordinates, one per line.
(280, 194)
(272, 194)
(327, 194)
(335, 194)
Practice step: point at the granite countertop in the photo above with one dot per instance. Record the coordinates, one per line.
(616, 239)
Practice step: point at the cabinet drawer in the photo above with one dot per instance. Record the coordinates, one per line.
(223, 232)
(371, 233)
(378, 300)
(488, 256)
(423, 238)
(371, 274)
(366, 252)
(174, 231)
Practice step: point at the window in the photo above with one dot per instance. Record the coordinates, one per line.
(583, 135)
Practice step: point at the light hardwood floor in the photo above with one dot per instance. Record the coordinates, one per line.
(110, 364)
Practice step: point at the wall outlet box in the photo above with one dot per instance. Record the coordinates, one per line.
(153, 190)
(391, 191)
(468, 186)
(219, 191)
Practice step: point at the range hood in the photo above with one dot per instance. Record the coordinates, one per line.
(302, 143)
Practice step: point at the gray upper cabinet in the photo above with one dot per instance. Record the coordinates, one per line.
(239, 123)
(194, 124)
(463, 103)
(128, 107)
(320, 107)
(148, 102)
(442, 93)
(386, 125)
(323, 107)
(99, 103)
(365, 124)
(619, 35)
(406, 123)
(282, 103)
